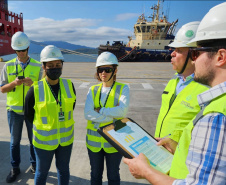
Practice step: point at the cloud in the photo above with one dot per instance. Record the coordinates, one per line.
(126, 16)
(76, 31)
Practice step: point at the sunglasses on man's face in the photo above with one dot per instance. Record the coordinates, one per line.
(195, 52)
(21, 50)
(106, 69)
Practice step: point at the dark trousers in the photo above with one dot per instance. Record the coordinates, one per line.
(16, 122)
(113, 161)
(44, 159)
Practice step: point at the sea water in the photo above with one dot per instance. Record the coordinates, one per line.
(67, 57)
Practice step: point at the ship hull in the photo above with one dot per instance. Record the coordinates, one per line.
(127, 54)
(5, 46)
(10, 23)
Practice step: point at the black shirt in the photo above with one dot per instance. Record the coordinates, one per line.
(29, 111)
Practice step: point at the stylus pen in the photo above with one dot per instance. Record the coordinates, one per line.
(166, 136)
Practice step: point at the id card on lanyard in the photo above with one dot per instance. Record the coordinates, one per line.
(61, 113)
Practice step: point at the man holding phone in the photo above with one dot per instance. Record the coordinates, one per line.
(16, 78)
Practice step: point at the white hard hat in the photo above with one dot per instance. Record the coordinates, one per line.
(185, 34)
(51, 53)
(20, 41)
(106, 58)
(213, 25)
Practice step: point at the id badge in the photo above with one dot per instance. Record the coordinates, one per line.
(61, 116)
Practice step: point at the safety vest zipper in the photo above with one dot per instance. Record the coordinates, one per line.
(171, 100)
(23, 93)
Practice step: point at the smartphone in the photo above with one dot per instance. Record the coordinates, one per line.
(20, 77)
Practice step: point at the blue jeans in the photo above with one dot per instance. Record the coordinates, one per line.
(44, 160)
(15, 122)
(113, 161)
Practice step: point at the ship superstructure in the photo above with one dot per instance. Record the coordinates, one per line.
(154, 34)
(10, 23)
(151, 39)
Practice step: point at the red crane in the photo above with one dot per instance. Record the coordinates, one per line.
(10, 23)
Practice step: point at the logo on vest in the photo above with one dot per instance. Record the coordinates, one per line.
(186, 104)
(188, 98)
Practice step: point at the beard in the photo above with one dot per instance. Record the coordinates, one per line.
(206, 79)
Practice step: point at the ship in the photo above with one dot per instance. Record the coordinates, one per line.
(10, 23)
(152, 38)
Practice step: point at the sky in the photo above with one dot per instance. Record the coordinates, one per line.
(91, 23)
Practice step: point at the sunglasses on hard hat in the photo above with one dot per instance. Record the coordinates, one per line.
(195, 52)
(106, 69)
(21, 50)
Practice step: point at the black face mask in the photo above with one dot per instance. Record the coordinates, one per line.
(54, 73)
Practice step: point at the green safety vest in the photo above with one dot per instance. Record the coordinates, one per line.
(94, 141)
(16, 97)
(48, 131)
(179, 168)
(177, 111)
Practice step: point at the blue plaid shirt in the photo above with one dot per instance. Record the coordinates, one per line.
(206, 159)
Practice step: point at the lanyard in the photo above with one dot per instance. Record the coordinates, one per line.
(107, 95)
(55, 94)
(23, 68)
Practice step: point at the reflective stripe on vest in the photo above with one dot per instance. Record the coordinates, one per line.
(68, 138)
(41, 91)
(48, 135)
(93, 139)
(51, 132)
(50, 143)
(93, 133)
(66, 88)
(55, 141)
(16, 108)
(95, 93)
(97, 144)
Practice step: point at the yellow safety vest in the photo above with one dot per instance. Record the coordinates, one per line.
(48, 131)
(16, 97)
(94, 141)
(179, 168)
(177, 111)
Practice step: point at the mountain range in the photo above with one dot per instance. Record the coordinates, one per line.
(36, 47)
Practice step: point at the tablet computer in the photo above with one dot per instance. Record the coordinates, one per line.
(130, 139)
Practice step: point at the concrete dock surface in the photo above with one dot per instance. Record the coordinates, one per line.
(146, 82)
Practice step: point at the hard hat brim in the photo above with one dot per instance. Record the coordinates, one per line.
(204, 38)
(20, 48)
(105, 64)
(176, 44)
(52, 59)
